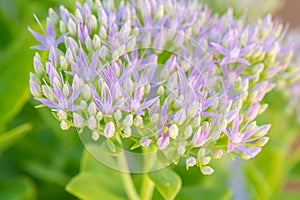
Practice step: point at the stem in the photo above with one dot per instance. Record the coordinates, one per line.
(126, 177)
(147, 188)
(147, 184)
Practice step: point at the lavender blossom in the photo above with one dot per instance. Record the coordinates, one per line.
(169, 76)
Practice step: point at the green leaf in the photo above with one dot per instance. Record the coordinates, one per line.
(167, 182)
(13, 136)
(96, 181)
(15, 66)
(20, 188)
(191, 193)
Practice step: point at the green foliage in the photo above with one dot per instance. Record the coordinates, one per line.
(96, 180)
(167, 182)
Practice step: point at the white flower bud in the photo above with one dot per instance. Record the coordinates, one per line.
(181, 150)
(62, 115)
(145, 141)
(94, 23)
(78, 120)
(62, 27)
(201, 152)
(205, 160)
(88, 43)
(188, 132)
(127, 132)
(96, 42)
(92, 123)
(196, 122)
(159, 12)
(262, 141)
(95, 136)
(180, 116)
(92, 109)
(103, 52)
(173, 130)
(64, 125)
(37, 63)
(66, 90)
(63, 63)
(103, 32)
(147, 89)
(192, 109)
(207, 170)
(160, 90)
(191, 161)
(109, 130)
(99, 116)
(78, 15)
(86, 92)
(72, 27)
(118, 115)
(217, 154)
(35, 89)
(83, 104)
(131, 44)
(138, 121)
(128, 121)
(155, 118)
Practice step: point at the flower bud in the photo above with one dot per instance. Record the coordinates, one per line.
(205, 160)
(191, 161)
(92, 109)
(83, 104)
(99, 116)
(207, 170)
(128, 121)
(86, 92)
(66, 90)
(180, 116)
(37, 63)
(96, 42)
(92, 123)
(63, 63)
(173, 130)
(262, 141)
(263, 108)
(127, 132)
(95, 136)
(109, 130)
(192, 110)
(145, 141)
(78, 120)
(181, 150)
(163, 141)
(217, 154)
(160, 90)
(35, 89)
(118, 115)
(196, 121)
(62, 115)
(94, 23)
(62, 27)
(64, 125)
(138, 121)
(72, 27)
(262, 131)
(252, 111)
(188, 132)
(88, 43)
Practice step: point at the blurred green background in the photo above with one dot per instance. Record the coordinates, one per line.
(37, 159)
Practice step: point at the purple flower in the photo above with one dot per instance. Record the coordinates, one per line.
(47, 40)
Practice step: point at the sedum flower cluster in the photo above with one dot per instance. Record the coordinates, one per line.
(164, 75)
